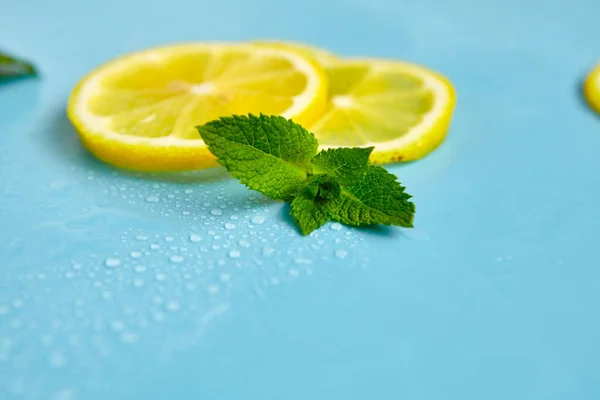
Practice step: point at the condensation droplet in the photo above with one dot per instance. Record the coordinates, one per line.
(195, 238)
(141, 237)
(129, 337)
(341, 254)
(244, 243)
(176, 259)
(169, 238)
(293, 272)
(155, 246)
(152, 199)
(229, 226)
(225, 277)
(235, 254)
(135, 254)
(117, 325)
(268, 251)
(139, 268)
(213, 289)
(112, 262)
(173, 305)
(258, 220)
(336, 226)
(300, 260)
(216, 211)
(138, 282)
(160, 277)
(57, 360)
(188, 191)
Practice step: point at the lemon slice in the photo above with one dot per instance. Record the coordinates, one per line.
(591, 88)
(140, 111)
(402, 109)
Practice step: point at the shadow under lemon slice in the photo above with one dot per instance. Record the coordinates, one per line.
(140, 111)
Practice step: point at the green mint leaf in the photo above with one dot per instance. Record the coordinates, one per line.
(378, 198)
(309, 212)
(266, 153)
(346, 165)
(12, 67)
(322, 187)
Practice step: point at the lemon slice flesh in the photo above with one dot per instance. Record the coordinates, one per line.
(402, 109)
(140, 111)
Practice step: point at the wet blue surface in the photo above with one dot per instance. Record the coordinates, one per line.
(120, 286)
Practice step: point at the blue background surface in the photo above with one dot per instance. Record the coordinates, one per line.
(494, 295)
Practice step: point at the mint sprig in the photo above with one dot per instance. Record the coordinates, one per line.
(280, 159)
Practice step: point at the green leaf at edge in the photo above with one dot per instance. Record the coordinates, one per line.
(12, 67)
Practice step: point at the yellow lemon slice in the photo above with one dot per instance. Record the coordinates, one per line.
(140, 111)
(402, 109)
(591, 88)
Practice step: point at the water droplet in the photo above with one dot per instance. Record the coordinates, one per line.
(274, 281)
(234, 217)
(244, 243)
(69, 275)
(141, 237)
(258, 220)
(186, 213)
(138, 282)
(341, 254)
(300, 260)
(171, 196)
(173, 305)
(188, 191)
(112, 262)
(77, 266)
(293, 272)
(135, 254)
(160, 277)
(57, 360)
(336, 226)
(129, 337)
(213, 289)
(225, 277)
(176, 259)
(268, 251)
(155, 246)
(229, 226)
(169, 238)
(139, 268)
(152, 199)
(338, 240)
(117, 325)
(216, 211)
(4, 310)
(195, 238)
(235, 254)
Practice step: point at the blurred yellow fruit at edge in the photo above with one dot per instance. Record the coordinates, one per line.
(591, 88)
